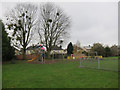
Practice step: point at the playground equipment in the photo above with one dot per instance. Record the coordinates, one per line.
(34, 58)
(39, 51)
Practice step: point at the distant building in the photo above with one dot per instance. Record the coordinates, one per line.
(87, 48)
(77, 51)
(58, 52)
(81, 51)
(31, 52)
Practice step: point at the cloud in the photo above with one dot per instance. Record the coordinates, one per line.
(91, 21)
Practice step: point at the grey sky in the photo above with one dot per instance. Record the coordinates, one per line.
(92, 22)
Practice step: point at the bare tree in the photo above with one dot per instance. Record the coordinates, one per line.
(21, 20)
(78, 43)
(54, 25)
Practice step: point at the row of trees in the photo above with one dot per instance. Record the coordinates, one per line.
(47, 20)
(96, 49)
(104, 51)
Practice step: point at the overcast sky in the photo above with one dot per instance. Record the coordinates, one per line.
(92, 22)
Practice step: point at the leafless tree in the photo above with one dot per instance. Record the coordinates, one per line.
(21, 20)
(78, 43)
(54, 25)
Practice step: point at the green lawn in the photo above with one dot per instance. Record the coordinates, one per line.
(59, 75)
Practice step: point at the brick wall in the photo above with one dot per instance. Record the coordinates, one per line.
(20, 57)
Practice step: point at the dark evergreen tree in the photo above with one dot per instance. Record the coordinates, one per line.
(69, 49)
(7, 49)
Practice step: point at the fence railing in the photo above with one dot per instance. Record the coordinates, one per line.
(104, 64)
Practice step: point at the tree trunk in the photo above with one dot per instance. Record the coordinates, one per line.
(48, 54)
(24, 54)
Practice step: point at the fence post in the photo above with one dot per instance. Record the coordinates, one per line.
(80, 63)
(98, 63)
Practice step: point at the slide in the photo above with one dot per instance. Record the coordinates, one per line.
(34, 58)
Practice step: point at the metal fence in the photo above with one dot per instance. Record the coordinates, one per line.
(104, 64)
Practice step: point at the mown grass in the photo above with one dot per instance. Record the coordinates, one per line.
(58, 75)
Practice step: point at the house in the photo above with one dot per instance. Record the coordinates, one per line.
(58, 52)
(77, 51)
(31, 52)
(87, 48)
(81, 51)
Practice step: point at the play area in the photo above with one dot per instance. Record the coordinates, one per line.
(39, 57)
(91, 62)
(39, 54)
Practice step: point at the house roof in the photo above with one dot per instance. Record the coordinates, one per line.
(33, 47)
(87, 47)
(57, 48)
(30, 48)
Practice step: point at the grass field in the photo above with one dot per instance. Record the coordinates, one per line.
(58, 75)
